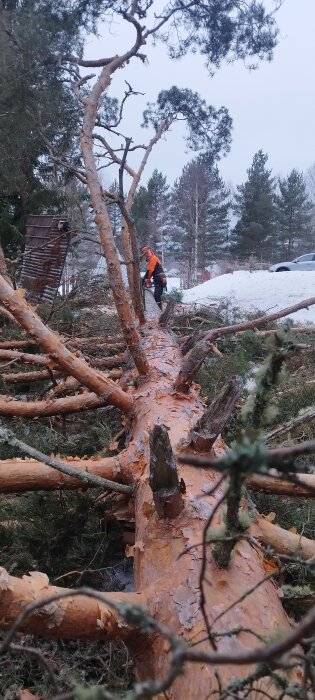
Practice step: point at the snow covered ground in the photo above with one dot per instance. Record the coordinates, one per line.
(259, 291)
(173, 283)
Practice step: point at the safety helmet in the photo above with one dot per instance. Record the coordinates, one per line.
(145, 249)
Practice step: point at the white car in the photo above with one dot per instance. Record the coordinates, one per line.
(304, 262)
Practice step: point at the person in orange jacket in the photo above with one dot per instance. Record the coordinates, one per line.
(154, 272)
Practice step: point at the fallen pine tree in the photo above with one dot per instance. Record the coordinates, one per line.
(196, 609)
(177, 533)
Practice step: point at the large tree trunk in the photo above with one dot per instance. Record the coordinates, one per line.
(175, 599)
(168, 579)
(122, 301)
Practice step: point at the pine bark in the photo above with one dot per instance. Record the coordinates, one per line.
(21, 475)
(74, 617)
(284, 541)
(168, 555)
(272, 484)
(102, 220)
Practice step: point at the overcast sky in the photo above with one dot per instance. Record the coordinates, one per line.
(272, 108)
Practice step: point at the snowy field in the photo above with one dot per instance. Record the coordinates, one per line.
(262, 291)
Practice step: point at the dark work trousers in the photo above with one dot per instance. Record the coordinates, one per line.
(158, 291)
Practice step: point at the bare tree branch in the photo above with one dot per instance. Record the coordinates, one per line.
(6, 436)
(198, 354)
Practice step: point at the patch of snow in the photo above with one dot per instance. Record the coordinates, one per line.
(173, 283)
(259, 291)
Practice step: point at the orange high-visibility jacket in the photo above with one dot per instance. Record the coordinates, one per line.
(152, 262)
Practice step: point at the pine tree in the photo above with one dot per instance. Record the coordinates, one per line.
(37, 107)
(200, 206)
(294, 215)
(255, 206)
(218, 222)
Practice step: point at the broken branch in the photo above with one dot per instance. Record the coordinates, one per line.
(206, 431)
(163, 475)
(89, 479)
(21, 475)
(305, 488)
(197, 355)
(77, 614)
(283, 541)
(77, 367)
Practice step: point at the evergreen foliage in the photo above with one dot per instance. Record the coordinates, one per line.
(218, 29)
(200, 213)
(258, 409)
(151, 213)
(76, 664)
(294, 215)
(208, 130)
(37, 105)
(254, 205)
(57, 534)
(140, 213)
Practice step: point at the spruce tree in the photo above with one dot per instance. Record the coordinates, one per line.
(151, 213)
(254, 205)
(294, 215)
(140, 214)
(218, 219)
